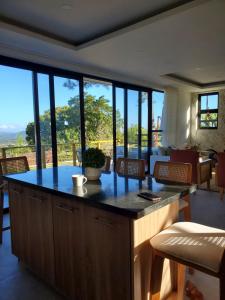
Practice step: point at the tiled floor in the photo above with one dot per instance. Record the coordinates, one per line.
(17, 283)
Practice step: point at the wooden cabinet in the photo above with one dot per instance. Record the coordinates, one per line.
(32, 229)
(107, 259)
(86, 252)
(91, 252)
(68, 238)
(39, 242)
(18, 220)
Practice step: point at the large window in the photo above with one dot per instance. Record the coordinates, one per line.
(51, 115)
(208, 111)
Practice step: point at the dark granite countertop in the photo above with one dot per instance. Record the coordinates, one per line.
(112, 192)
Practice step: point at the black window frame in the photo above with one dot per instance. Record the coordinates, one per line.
(53, 71)
(205, 111)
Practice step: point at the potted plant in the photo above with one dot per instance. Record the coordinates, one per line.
(93, 161)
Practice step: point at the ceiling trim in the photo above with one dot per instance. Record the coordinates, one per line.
(190, 82)
(32, 34)
(147, 19)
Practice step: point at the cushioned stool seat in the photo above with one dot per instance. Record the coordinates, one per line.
(194, 245)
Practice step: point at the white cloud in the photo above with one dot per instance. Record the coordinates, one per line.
(10, 127)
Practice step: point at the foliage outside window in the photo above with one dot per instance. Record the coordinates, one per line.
(208, 111)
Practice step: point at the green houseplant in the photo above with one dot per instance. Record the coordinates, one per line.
(93, 161)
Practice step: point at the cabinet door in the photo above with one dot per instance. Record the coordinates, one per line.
(107, 254)
(18, 221)
(40, 234)
(68, 237)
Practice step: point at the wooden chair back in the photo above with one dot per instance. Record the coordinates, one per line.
(13, 165)
(10, 165)
(173, 172)
(187, 156)
(131, 167)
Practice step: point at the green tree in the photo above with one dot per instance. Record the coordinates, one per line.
(19, 140)
(98, 121)
(30, 138)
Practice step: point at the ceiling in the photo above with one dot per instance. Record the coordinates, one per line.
(76, 21)
(145, 42)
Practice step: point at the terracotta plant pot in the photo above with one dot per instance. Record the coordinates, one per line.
(92, 173)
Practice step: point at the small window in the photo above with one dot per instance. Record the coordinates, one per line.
(208, 111)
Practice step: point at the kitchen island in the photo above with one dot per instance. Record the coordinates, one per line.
(92, 242)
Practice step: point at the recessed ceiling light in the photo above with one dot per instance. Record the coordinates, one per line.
(198, 69)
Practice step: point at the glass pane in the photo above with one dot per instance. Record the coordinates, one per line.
(144, 125)
(119, 122)
(156, 139)
(208, 124)
(17, 114)
(132, 123)
(157, 124)
(209, 102)
(45, 120)
(98, 115)
(67, 105)
(209, 117)
(157, 109)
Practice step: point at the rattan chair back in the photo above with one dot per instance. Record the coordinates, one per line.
(173, 172)
(13, 165)
(9, 166)
(131, 167)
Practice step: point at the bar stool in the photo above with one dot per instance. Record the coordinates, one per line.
(190, 244)
(10, 165)
(176, 172)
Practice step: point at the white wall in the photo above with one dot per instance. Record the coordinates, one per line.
(177, 117)
(169, 119)
(177, 122)
(183, 135)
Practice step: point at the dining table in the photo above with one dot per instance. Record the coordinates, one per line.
(93, 241)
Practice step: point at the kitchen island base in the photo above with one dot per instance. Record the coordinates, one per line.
(85, 252)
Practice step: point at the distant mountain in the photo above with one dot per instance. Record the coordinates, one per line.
(9, 138)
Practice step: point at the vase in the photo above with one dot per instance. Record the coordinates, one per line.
(92, 173)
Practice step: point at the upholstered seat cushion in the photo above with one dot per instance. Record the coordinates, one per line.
(191, 242)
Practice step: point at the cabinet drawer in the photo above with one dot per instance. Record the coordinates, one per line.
(37, 195)
(66, 205)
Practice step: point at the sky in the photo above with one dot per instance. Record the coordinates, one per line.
(16, 98)
(212, 102)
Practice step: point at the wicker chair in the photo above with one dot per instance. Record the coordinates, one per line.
(201, 170)
(9, 166)
(181, 173)
(131, 167)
